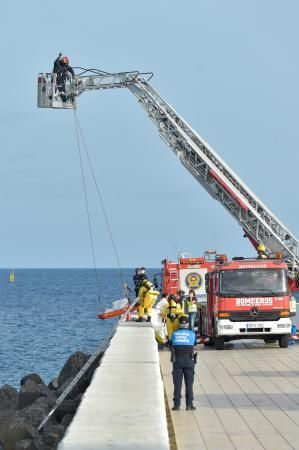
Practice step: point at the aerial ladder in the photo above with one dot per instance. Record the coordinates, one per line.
(197, 156)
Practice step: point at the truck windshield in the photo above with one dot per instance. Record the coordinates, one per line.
(253, 282)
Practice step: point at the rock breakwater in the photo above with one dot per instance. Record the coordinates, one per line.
(21, 412)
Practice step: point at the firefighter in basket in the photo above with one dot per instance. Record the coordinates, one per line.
(147, 296)
(171, 314)
(261, 251)
(63, 72)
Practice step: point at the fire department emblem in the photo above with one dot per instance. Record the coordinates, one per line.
(193, 280)
(254, 312)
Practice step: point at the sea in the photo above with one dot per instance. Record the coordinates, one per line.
(48, 314)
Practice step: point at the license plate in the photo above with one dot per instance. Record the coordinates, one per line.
(255, 325)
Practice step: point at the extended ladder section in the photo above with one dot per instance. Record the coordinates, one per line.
(258, 222)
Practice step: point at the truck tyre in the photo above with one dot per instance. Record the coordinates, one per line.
(270, 341)
(209, 343)
(284, 341)
(219, 343)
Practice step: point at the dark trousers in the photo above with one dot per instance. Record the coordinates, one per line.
(61, 85)
(183, 367)
(61, 89)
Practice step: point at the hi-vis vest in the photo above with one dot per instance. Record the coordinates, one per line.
(192, 307)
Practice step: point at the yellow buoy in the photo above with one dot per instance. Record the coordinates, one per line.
(12, 276)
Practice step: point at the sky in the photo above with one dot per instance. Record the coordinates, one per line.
(230, 68)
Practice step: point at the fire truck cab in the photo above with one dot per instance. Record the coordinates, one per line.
(246, 298)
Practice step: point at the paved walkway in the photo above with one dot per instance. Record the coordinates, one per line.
(247, 397)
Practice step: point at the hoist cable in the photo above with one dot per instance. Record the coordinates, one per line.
(101, 201)
(87, 208)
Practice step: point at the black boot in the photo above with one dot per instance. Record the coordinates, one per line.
(149, 319)
(176, 408)
(190, 408)
(140, 319)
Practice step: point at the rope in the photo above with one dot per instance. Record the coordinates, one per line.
(87, 208)
(101, 201)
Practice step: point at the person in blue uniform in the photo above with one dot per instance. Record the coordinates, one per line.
(184, 359)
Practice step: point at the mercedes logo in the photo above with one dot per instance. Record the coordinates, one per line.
(254, 312)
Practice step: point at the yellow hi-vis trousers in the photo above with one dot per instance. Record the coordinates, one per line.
(149, 301)
(140, 311)
(171, 326)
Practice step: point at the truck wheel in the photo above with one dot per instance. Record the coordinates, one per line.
(219, 343)
(284, 341)
(209, 343)
(270, 341)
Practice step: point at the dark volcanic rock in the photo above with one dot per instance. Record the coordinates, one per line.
(47, 441)
(32, 376)
(8, 402)
(67, 407)
(22, 412)
(45, 403)
(8, 398)
(31, 391)
(67, 420)
(54, 428)
(50, 441)
(37, 444)
(78, 400)
(34, 414)
(62, 388)
(16, 429)
(73, 365)
(53, 385)
(22, 445)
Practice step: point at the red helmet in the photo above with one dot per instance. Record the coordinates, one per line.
(64, 60)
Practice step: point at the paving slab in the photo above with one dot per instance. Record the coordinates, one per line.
(247, 397)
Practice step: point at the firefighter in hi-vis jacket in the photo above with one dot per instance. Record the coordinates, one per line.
(171, 313)
(147, 296)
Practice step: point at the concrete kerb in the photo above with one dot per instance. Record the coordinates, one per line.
(170, 425)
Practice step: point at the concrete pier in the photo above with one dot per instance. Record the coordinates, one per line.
(123, 408)
(247, 397)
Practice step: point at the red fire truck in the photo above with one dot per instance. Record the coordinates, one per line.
(246, 298)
